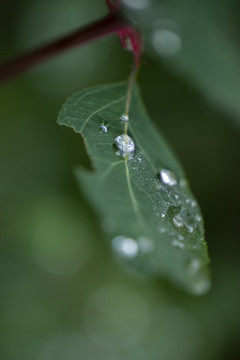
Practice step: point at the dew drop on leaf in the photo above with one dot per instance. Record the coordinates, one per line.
(125, 146)
(198, 218)
(124, 118)
(178, 244)
(177, 220)
(125, 246)
(161, 229)
(188, 221)
(193, 203)
(102, 129)
(168, 177)
(200, 282)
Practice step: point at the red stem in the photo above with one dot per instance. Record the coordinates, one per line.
(108, 25)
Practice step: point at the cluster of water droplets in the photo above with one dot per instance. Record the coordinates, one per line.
(182, 210)
(125, 146)
(179, 220)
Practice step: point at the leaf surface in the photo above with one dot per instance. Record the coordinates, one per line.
(143, 201)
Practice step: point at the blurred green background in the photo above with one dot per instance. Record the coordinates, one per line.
(63, 294)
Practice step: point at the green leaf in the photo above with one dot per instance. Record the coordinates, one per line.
(152, 220)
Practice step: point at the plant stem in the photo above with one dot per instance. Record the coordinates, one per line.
(131, 80)
(105, 26)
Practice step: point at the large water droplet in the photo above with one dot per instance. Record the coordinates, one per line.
(168, 177)
(103, 129)
(125, 246)
(125, 146)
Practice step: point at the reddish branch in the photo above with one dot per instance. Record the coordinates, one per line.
(112, 23)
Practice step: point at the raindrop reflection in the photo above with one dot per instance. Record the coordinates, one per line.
(125, 246)
(166, 40)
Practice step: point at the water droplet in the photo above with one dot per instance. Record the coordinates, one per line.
(188, 220)
(174, 199)
(124, 118)
(128, 44)
(166, 39)
(161, 229)
(198, 276)
(125, 146)
(187, 201)
(102, 129)
(136, 4)
(177, 220)
(139, 159)
(193, 203)
(145, 245)
(194, 266)
(201, 285)
(198, 218)
(125, 246)
(163, 215)
(178, 244)
(168, 177)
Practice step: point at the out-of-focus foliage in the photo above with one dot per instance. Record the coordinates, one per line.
(63, 296)
(195, 39)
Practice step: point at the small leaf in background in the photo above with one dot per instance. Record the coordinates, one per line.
(190, 40)
(138, 188)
